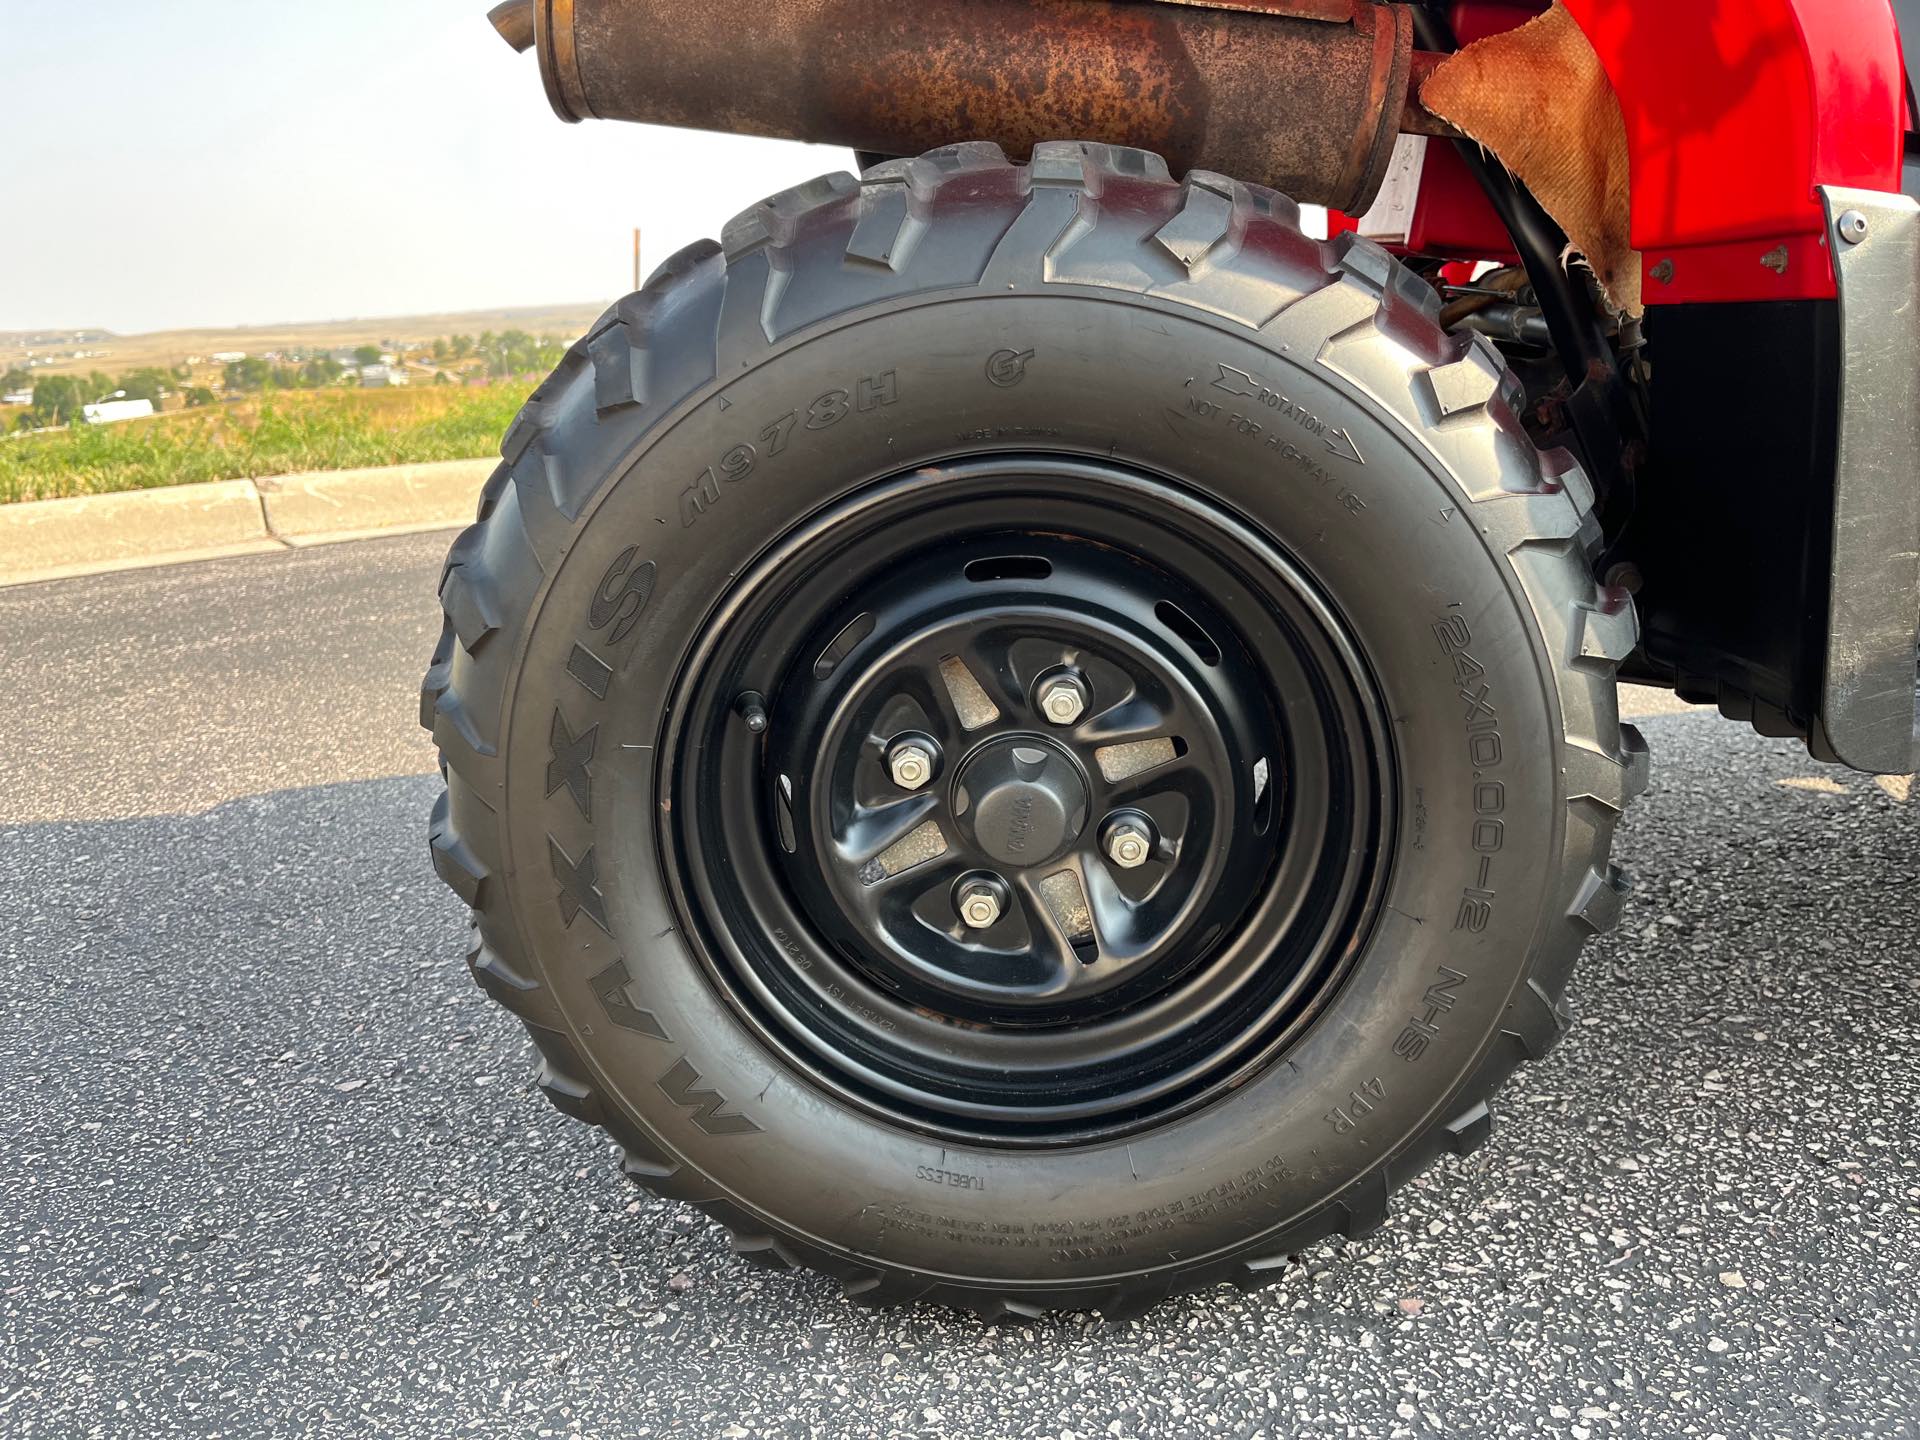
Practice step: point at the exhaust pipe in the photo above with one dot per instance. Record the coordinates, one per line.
(1302, 95)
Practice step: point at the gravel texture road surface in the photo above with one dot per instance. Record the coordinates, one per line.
(271, 1166)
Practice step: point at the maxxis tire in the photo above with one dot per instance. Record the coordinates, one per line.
(1460, 554)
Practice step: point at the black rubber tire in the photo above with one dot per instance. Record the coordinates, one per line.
(1457, 553)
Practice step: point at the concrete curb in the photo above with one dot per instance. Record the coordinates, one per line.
(53, 539)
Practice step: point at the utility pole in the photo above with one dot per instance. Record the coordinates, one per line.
(636, 257)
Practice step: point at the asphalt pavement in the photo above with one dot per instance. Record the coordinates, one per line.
(271, 1166)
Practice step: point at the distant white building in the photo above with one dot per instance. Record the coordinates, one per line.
(108, 412)
(378, 376)
(228, 357)
(18, 397)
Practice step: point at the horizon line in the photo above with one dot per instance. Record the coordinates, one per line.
(276, 324)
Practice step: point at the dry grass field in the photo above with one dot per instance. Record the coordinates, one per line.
(272, 433)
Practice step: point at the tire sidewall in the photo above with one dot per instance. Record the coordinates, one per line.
(1391, 542)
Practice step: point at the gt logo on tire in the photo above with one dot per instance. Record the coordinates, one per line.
(1007, 368)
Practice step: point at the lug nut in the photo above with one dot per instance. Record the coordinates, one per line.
(980, 907)
(1129, 845)
(1063, 699)
(911, 766)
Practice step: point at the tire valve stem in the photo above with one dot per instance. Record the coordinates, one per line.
(752, 708)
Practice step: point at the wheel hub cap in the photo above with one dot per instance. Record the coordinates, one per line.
(1022, 799)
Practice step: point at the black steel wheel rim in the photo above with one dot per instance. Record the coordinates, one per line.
(1182, 866)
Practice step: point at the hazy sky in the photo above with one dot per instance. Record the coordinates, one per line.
(228, 162)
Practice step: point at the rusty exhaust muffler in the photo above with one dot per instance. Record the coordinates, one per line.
(1302, 95)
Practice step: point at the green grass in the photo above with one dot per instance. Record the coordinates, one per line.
(272, 434)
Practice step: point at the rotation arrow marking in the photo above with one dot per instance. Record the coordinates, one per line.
(1341, 444)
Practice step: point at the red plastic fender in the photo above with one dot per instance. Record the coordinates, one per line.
(1734, 113)
(1735, 110)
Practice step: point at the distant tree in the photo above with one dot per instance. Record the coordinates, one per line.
(16, 379)
(440, 351)
(148, 383)
(182, 372)
(57, 399)
(321, 370)
(99, 385)
(367, 355)
(252, 373)
(517, 353)
(198, 395)
(462, 346)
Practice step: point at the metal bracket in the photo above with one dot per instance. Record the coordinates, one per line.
(1869, 717)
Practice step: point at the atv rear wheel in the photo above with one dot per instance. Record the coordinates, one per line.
(1030, 736)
